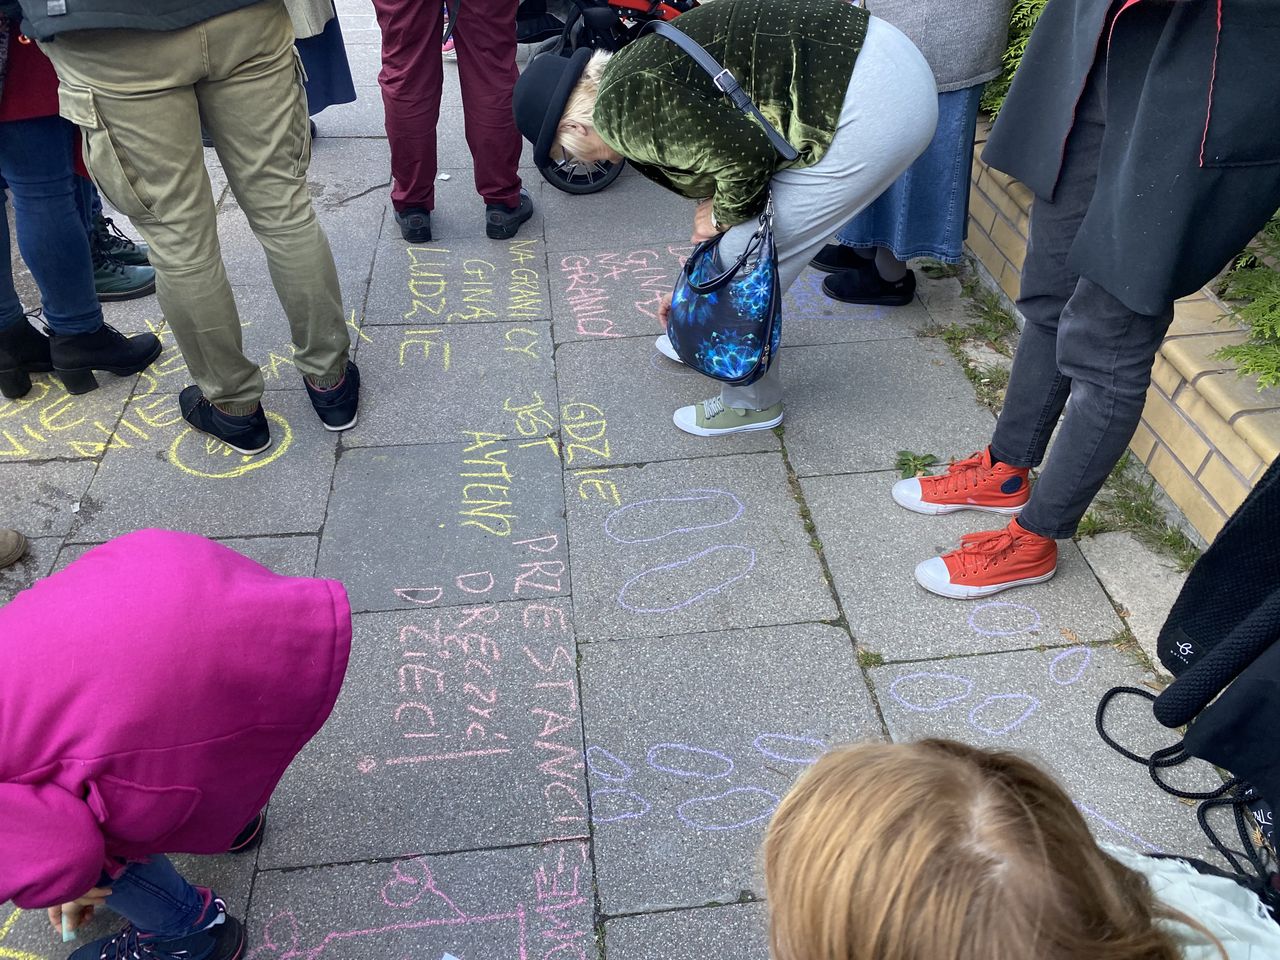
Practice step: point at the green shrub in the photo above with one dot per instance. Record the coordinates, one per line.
(1254, 280)
(1023, 17)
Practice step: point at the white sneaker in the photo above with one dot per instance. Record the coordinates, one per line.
(663, 346)
(711, 418)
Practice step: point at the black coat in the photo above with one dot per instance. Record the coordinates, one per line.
(1222, 642)
(1190, 162)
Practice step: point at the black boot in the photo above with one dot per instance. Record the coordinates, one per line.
(76, 356)
(23, 350)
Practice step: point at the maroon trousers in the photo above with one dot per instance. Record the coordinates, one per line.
(412, 78)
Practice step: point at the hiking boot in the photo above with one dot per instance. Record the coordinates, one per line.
(114, 280)
(222, 939)
(336, 406)
(415, 224)
(250, 836)
(249, 434)
(711, 418)
(835, 257)
(108, 240)
(502, 222)
(975, 483)
(867, 286)
(989, 562)
(23, 350)
(76, 355)
(13, 547)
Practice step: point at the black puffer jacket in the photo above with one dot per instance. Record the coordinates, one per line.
(45, 19)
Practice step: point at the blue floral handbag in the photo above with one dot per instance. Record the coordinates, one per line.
(727, 324)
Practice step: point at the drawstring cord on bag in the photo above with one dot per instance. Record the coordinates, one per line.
(453, 20)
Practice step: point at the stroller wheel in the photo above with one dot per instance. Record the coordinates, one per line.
(578, 177)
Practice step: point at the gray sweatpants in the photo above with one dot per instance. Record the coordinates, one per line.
(889, 115)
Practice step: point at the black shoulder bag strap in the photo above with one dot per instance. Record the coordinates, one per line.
(724, 80)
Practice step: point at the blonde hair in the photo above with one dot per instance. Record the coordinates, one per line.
(939, 851)
(579, 108)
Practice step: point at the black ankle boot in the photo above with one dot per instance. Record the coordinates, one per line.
(23, 350)
(76, 356)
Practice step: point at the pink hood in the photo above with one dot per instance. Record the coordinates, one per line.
(151, 696)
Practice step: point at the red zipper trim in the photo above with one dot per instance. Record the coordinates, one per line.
(1213, 75)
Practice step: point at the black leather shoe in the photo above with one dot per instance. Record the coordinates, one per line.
(415, 224)
(835, 257)
(337, 408)
(23, 350)
(858, 286)
(248, 434)
(502, 222)
(75, 356)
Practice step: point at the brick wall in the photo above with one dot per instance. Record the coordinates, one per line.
(1206, 434)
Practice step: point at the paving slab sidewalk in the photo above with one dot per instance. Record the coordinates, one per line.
(670, 629)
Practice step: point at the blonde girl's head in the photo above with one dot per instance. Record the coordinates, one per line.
(576, 138)
(939, 851)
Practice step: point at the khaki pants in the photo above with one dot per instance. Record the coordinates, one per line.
(138, 97)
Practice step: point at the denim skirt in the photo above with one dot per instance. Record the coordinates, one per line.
(925, 212)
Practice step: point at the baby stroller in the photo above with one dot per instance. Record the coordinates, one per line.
(599, 25)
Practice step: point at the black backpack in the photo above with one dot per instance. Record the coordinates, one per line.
(1222, 645)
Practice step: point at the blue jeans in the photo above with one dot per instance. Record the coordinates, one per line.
(37, 161)
(156, 899)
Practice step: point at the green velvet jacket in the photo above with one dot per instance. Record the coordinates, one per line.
(661, 111)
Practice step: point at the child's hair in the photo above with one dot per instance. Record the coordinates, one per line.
(939, 851)
(579, 108)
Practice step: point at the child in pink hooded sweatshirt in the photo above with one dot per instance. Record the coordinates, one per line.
(152, 695)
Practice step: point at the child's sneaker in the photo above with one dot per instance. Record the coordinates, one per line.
(989, 562)
(447, 51)
(711, 418)
(975, 483)
(222, 939)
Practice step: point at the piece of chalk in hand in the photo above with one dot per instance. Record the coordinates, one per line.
(67, 933)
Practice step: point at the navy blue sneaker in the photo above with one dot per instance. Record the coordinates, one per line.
(336, 406)
(223, 939)
(248, 435)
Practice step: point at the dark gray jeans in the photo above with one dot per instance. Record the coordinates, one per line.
(1081, 349)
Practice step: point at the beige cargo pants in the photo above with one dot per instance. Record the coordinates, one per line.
(138, 97)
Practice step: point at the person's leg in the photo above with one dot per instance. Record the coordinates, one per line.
(995, 480)
(38, 157)
(485, 36)
(133, 95)
(888, 119)
(168, 918)
(1106, 351)
(10, 305)
(1038, 389)
(411, 79)
(254, 105)
(158, 900)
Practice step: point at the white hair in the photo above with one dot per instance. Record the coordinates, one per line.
(579, 108)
